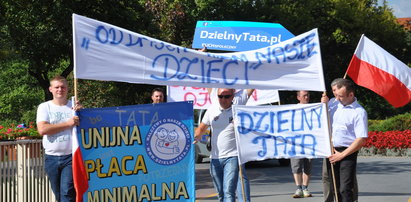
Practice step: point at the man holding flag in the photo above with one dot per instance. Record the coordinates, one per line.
(55, 122)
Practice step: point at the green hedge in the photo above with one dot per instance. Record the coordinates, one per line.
(399, 122)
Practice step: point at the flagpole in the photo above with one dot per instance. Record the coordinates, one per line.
(77, 186)
(358, 45)
(74, 62)
(332, 152)
(242, 181)
(240, 168)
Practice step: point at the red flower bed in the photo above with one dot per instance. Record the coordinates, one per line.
(13, 132)
(389, 139)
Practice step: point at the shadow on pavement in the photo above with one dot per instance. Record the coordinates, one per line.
(382, 167)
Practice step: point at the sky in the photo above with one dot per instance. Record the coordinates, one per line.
(401, 8)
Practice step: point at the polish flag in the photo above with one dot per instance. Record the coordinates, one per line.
(79, 171)
(376, 69)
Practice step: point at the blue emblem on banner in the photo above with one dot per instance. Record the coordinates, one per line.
(168, 141)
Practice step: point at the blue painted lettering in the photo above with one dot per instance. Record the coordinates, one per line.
(286, 146)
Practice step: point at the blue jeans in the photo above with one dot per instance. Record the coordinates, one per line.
(246, 186)
(224, 172)
(59, 171)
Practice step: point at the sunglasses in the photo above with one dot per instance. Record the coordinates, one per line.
(224, 96)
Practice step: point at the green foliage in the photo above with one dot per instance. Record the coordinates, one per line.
(110, 94)
(399, 122)
(18, 93)
(40, 33)
(42, 30)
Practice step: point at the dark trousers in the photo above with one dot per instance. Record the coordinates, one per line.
(344, 175)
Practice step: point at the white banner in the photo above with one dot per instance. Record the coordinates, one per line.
(203, 100)
(287, 131)
(107, 52)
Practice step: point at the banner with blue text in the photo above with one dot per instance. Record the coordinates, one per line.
(203, 100)
(110, 53)
(238, 35)
(138, 153)
(287, 131)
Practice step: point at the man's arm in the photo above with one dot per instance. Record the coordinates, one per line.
(199, 132)
(355, 146)
(250, 92)
(46, 128)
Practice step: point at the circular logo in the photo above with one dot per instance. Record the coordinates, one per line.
(168, 141)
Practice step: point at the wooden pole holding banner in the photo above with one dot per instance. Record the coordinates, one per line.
(242, 182)
(332, 152)
(75, 91)
(74, 63)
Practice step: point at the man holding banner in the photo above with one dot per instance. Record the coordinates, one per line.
(327, 182)
(224, 167)
(55, 122)
(350, 130)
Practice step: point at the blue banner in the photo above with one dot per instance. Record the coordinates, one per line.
(138, 153)
(238, 35)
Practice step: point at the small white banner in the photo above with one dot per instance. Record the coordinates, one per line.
(110, 53)
(287, 131)
(203, 100)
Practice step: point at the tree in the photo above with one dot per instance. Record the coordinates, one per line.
(40, 32)
(19, 95)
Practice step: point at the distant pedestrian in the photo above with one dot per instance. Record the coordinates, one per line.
(301, 168)
(157, 95)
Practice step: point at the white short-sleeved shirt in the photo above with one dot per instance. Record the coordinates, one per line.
(223, 143)
(332, 107)
(349, 122)
(58, 144)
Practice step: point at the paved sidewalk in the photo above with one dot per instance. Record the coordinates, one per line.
(381, 179)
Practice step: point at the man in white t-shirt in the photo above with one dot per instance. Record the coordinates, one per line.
(55, 121)
(224, 167)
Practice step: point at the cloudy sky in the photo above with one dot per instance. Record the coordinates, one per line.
(402, 8)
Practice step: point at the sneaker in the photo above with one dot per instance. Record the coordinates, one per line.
(298, 194)
(307, 193)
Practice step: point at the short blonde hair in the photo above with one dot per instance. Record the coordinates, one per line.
(58, 78)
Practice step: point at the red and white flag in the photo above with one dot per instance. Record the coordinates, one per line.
(376, 69)
(79, 171)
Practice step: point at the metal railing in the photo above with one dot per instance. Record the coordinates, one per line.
(22, 176)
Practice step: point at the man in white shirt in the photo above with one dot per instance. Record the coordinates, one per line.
(224, 167)
(350, 130)
(55, 122)
(327, 182)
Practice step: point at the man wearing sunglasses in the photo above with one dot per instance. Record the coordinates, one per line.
(224, 167)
